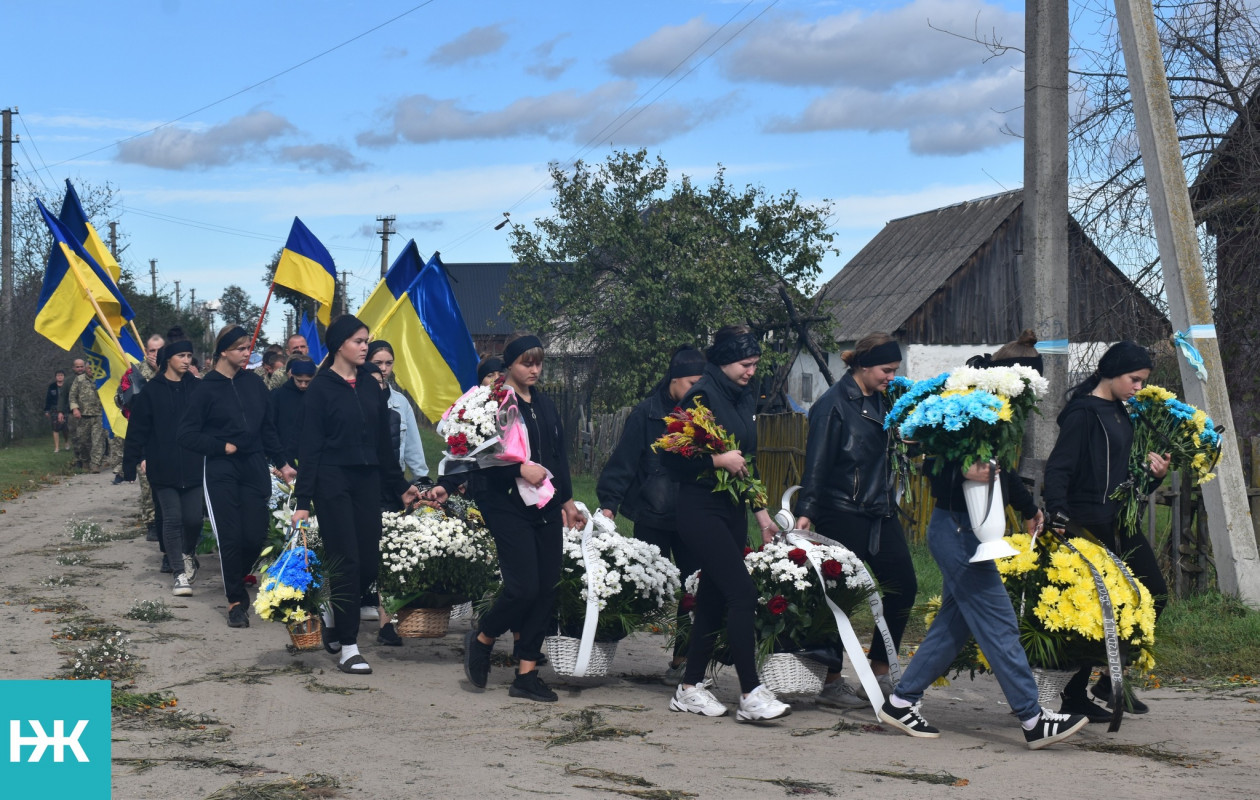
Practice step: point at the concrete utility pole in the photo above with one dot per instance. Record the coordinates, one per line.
(6, 261)
(192, 299)
(113, 240)
(153, 280)
(385, 232)
(176, 297)
(1189, 301)
(1043, 266)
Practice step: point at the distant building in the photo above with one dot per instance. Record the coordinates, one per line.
(478, 289)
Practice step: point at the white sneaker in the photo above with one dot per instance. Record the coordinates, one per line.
(839, 694)
(885, 685)
(761, 704)
(183, 588)
(369, 613)
(190, 568)
(697, 700)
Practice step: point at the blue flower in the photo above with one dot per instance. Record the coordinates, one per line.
(917, 391)
(292, 570)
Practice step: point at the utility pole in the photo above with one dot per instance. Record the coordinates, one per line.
(176, 297)
(153, 279)
(113, 240)
(6, 264)
(1189, 301)
(345, 288)
(385, 232)
(1043, 265)
(192, 299)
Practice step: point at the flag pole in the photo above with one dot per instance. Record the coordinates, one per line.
(135, 332)
(100, 315)
(262, 316)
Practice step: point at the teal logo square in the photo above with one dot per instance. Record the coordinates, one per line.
(55, 739)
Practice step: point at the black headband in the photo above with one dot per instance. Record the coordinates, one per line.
(885, 353)
(378, 344)
(518, 347)
(491, 364)
(165, 353)
(1124, 357)
(229, 336)
(734, 348)
(341, 329)
(301, 366)
(686, 363)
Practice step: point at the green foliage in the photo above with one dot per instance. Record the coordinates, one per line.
(630, 266)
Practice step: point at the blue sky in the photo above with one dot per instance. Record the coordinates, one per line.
(449, 115)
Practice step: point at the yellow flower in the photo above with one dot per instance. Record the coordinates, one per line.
(1004, 411)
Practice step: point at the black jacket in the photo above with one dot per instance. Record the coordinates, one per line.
(52, 400)
(1089, 460)
(284, 409)
(846, 456)
(152, 429)
(635, 480)
(230, 410)
(497, 485)
(733, 407)
(948, 482)
(348, 426)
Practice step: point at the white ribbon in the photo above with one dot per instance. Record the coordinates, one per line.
(592, 601)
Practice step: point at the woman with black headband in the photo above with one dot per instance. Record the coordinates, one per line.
(346, 456)
(174, 472)
(714, 529)
(848, 494)
(227, 423)
(1089, 461)
(635, 481)
(285, 404)
(528, 538)
(407, 443)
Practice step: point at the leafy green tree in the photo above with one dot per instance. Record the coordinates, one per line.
(236, 308)
(630, 266)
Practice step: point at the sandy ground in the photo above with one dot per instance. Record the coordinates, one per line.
(415, 729)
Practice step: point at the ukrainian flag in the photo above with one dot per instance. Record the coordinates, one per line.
(403, 273)
(435, 360)
(64, 308)
(106, 366)
(310, 331)
(306, 267)
(74, 218)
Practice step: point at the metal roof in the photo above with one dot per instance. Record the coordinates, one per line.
(478, 289)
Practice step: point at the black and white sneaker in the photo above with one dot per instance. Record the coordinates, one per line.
(1053, 728)
(908, 720)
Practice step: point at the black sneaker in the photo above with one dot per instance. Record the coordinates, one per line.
(1081, 704)
(908, 720)
(388, 636)
(476, 660)
(117, 479)
(530, 686)
(166, 563)
(1132, 705)
(151, 532)
(238, 616)
(1053, 728)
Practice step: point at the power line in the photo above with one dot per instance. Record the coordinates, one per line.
(251, 87)
(216, 228)
(37, 153)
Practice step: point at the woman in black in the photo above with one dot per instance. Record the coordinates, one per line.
(52, 407)
(527, 538)
(174, 472)
(226, 422)
(1089, 461)
(848, 493)
(635, 481)
(714, 528)
(346, 455)
(284, 405)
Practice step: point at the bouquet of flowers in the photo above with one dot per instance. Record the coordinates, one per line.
(432, 560)
(1164, 424)
(633, 582)
(293, 587)
(693, 433)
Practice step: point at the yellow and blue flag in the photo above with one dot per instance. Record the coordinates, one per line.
(404, 271)
(75, 219)
(314, 344)
(107, 365)
(71, 280)
(434, 356)
(307, 267)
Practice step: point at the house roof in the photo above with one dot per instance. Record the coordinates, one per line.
(907, 261)
(478, 289)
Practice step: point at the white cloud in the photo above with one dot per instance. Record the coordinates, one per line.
(647, 125)
(659, 53)
(875, 210)
(546, 67)
(474, 43)
(322, 158)
(183, 148)
(94, 122)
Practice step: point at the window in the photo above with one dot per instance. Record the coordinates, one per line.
(807, 387)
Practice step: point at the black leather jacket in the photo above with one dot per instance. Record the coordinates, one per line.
(846, 457)
(634, 480)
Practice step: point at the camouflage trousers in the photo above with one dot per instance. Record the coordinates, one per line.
(116, 446)
(89, 442)
(147, 516)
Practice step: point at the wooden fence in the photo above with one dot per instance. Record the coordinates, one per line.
(781, 452)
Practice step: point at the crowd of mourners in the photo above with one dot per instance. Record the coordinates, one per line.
(205, 444)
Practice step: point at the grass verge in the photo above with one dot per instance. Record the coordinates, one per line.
(1209, 635)
(28, 464)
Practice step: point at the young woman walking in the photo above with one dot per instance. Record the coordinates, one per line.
(714, 529)
(346, 456)
(226, 423)
(1089, 461)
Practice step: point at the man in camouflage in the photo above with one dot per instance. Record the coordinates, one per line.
(86, 409)
(79, 366)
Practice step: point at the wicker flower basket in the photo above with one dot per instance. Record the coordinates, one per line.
(1050, 684)
(306, 634)
(790, 674)
(562, 651)
(423, 623)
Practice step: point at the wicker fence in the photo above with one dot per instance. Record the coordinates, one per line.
(781, 452)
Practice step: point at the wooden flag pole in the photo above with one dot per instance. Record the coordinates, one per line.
(100, 314)
(262, 316)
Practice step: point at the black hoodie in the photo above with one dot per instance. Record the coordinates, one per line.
(230, 410)
(1089, 460)
(284, 407)
(634, 479)
(152, 430)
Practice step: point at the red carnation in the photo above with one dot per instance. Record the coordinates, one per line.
(747, 550)
(778, 604)
(832, 569)
(687, 603)
(797, 555)
(460, 415)
(458, 444)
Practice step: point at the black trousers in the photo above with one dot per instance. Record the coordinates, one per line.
(670, 544)
(530, 553)
(892, 567)
(237, 489)
(180, 513)
(348, 502)
(715, 531)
